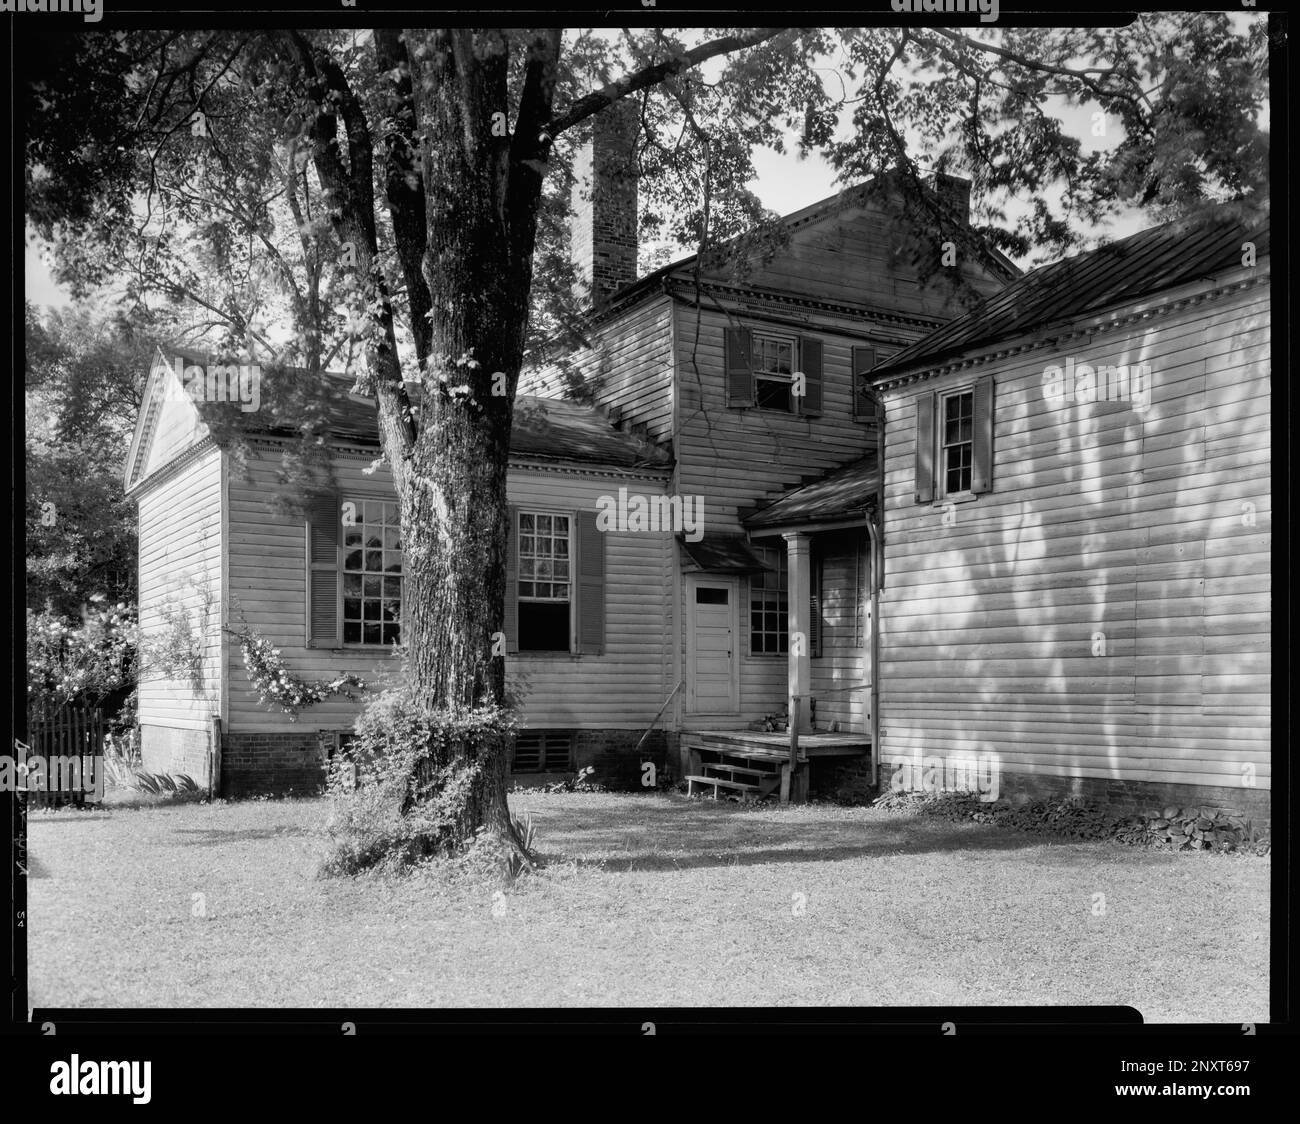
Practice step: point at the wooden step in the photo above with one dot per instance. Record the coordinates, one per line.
(738, 769)
(739, 759)
(719, 782)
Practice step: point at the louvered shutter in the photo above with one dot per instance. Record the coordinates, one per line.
(740, 366)
(981, 477)
(590, 584)
(815, 605)
(925, 448)
(810, 363)
(864, 398)
(511, 623)
(324, 520)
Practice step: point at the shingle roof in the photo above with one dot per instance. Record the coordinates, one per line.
(545, 428)
(553, 427)
(843, 493)
(1133, 267)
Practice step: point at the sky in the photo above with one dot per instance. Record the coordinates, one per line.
(784, 182)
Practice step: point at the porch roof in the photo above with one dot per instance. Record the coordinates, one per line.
(722, 554)
(842, 495)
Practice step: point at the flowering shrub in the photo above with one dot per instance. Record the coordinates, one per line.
(276, 685)
(81, 662)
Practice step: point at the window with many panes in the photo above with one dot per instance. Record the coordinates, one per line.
(956, 442)
(773, 366)
(545, 581)
(769, 629)
(372, 574)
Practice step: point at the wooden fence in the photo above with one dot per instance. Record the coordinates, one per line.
(60, 738)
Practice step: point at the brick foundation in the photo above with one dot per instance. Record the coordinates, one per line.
(275, 764)
(847, 780)
(1125, 798)
(612, 753)
(278, 764)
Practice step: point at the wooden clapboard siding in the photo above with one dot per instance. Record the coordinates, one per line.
(853, 256)
(738, 457)
(1100, 519)
(764, 679)
(843, 662)
(175, 424)
(631, 363)
(622, 688)
(267, 565)
(180, 571)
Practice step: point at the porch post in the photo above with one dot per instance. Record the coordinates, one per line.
(799, 575)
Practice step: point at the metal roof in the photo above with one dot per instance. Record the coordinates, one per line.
(843, 493)
(1138, 266)
(725, 554)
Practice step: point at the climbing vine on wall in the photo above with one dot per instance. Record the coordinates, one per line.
(277, 686)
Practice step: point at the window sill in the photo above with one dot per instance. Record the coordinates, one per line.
(575, 656)
(956, 497)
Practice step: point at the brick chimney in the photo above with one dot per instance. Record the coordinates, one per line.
(954, 195)
(603, 230)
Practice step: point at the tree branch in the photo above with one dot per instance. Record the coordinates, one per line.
(404, 182)
(594, 102)
(1083, 77)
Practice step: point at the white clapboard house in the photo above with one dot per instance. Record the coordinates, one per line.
(890, 536)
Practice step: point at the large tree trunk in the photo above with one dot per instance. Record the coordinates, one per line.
(453, 489)
(467, 261)
(453, 510)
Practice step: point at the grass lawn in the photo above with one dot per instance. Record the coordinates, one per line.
(658, 900)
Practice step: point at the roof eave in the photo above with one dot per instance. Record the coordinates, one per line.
(810, 526)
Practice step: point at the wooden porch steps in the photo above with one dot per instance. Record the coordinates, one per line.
(760, 779)
(753, 764)
(718, 782)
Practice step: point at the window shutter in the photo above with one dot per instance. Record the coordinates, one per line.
(590, 584)
(981, 477)
(324, 519)
(810, 362)
(815, 606)
(740, 367)
(510, 625)
(864, 398)
(925, 448)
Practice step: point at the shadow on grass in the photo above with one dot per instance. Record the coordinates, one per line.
(689, 835)
(215, 837)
